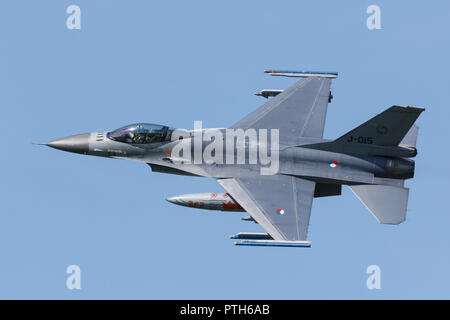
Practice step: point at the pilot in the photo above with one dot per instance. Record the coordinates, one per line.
(138, 138)
(153, 137)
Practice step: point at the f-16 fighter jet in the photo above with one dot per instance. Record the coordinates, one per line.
(274, 162)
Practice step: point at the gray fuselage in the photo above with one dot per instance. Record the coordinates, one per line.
(297, 161)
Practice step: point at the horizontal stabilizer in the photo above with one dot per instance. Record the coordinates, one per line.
(387, 204)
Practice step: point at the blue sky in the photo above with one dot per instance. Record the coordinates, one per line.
(173, 62)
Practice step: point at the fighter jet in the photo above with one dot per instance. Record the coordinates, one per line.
(275, 179)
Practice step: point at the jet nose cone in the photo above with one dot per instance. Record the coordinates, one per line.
(173, 200)
(78, 143)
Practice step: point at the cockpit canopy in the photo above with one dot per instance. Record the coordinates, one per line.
(141, 133)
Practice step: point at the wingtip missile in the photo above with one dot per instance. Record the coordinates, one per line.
(274, 243)
(302, 74)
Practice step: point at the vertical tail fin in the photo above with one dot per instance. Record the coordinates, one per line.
(392, 133)
(386, 129)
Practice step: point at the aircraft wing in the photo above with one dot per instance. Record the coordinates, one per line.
(299, 111)
(280, 204)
